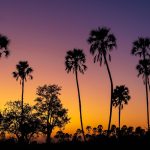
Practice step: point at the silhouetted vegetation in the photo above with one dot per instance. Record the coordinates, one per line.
(22, 72)
(49, 109)
(102, 41)
(141, 48)
(11, 122)
(4, 42)
(127, 136)
(41, 118)
(75, 61)
(120, 96)
(26, 124)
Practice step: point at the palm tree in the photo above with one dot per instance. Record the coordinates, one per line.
(23, 70)
(141, 48)
(4, 42)
(144, 70)
(75, 61)
(120, 96)
(102, 42)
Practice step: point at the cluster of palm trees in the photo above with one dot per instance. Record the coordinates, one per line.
(124, 135)
(101, 42)
(141, 48)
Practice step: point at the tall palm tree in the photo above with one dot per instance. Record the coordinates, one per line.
(144, 70)
(23, 70)
(102, 41)
(141, 48)
(75, 61)
(120, 97)
(4, 42)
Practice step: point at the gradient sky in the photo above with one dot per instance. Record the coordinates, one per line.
(41, 31)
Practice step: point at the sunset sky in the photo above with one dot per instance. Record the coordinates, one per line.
(41, 31)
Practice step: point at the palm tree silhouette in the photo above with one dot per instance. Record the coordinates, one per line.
(4, 42)
(141, 48)
(23, 70)
(75, 61)
(144, 70)
(102, 41)
(120, 96)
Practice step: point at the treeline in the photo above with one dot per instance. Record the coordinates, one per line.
(94, 136)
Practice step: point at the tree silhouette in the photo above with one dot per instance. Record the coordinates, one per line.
(120, 96)
(12, 117)
(77, 137)
(102, 41)
(100, 129)
(50, 110)
(113, 130)
(62, 137)
(144, 70)
(4, 42)
(88, 128)
(23, 70)
(75, 61)
(141, 48)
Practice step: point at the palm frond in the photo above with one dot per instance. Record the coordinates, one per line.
(141, 47)
(101, 41)
(4, 42)
(143, 69)
(75, 60)
(120, 96)
(22, 71)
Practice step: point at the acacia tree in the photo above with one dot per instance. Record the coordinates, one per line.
(120, 96)
(11, 118)
(75, 61)
(50, 109)
(102, 41)
(4, 42)
(141, 48)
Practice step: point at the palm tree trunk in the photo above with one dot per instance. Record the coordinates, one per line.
(119, 115)
(21, 124)
(111, 83)
(146, 88)
(80, 108)
(22, 98)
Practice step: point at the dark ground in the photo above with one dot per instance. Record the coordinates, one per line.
(76, 146)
